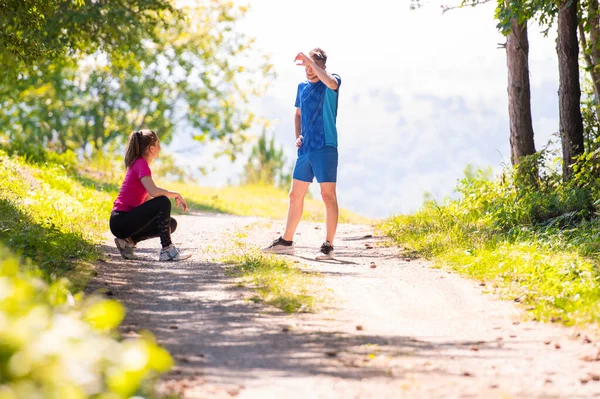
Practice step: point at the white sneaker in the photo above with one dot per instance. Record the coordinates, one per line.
(280, 246)
(171, 253)
(125, 248)
(326, 252)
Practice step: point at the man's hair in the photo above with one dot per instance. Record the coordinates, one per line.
(317, 54)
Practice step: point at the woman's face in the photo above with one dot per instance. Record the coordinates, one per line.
(155, 149)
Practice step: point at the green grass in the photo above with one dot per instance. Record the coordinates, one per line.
(276, 280)
(261, 201)
(552, 270)
(49, 216)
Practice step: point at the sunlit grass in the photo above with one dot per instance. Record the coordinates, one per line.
(261, 201)
(276, 280)
(554, 274)
(47, 215)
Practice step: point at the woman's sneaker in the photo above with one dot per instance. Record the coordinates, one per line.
(125, 247)
(280, 246)
(326, 252)
(171, 253)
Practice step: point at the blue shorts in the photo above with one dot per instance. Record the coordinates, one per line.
(321, 164)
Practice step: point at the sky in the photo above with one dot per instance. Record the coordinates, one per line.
(423, 94)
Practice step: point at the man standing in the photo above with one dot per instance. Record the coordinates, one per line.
(316, 139)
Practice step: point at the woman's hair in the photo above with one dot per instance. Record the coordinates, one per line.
(139, 141)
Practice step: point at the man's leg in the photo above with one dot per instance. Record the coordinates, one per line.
(328, 193)
(296, 206)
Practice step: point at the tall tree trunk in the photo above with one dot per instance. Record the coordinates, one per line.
(519, 94)
(591, 49)
(569, 91)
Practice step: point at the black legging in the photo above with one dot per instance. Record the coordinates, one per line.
(149, 220)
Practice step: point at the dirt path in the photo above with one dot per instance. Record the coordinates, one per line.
(426, 333)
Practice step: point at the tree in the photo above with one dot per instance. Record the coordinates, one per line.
(33, 31)
(512, 19)
(569, 92)
(193, 72)
(589, 36)
(265, 164)
(519, 92)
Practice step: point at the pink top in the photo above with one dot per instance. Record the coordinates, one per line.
(133, 192)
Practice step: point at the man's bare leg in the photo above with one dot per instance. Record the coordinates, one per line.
(296, 206)
(328, 193)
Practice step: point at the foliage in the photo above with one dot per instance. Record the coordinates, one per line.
(49, 215)
(34, 31)
(196, 72)
(53, 344)
(538, 243)
(265, 164)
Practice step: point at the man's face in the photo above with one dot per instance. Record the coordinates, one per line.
(310, 73)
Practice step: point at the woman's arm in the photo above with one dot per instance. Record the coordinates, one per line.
(154, 191)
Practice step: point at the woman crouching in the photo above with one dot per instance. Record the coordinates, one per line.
(142, 210)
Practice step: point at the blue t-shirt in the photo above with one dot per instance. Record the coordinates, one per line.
(318, 106)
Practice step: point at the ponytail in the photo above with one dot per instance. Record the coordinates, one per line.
(139, 141)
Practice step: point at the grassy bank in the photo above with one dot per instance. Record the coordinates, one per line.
(539, 246)
(51, 216)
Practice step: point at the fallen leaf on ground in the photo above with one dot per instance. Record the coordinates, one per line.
(474, 348)
(547, 342)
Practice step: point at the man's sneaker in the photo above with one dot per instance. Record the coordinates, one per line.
(326, 252)
(171, 253)
(280, 246)
(125, 248)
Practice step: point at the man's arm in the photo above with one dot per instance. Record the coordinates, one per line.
(298, 127)
(322, 74)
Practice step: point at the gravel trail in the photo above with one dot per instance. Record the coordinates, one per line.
(400, 329)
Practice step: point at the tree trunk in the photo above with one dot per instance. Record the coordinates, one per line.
(569, 91)
(519, 94)
(594, 31)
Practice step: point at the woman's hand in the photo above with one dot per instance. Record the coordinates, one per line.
(179, 201)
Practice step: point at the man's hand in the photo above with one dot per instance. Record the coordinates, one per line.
(299, 141)
(302, 59)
